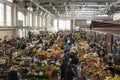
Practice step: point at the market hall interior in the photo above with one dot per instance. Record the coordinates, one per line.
(59, 40)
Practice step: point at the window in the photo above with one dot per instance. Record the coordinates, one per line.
(30, 19)
(23, 33)
(77, 28)
(49, 21)
(8, 14)
(1, 14)
(116, 16)
(27, 23)
(10, 0)
(67, 25)
(44, 21)
(55, 24)
(61, 24)
(40, 21)
(64, 24)
(20, 34)
(21, 18)
(35, 21)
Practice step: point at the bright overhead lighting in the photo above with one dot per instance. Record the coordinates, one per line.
(104, 15)
(85, 11)
(88, 21)
(30, 8)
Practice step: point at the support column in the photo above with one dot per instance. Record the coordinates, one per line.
(73, 25)
(5, 16)
(15, 18)
(109, 42)
(25, 25)
(33, 21)
(94, 36)
(57, 24)
(38, 21)
(42, 22)
(45, 24)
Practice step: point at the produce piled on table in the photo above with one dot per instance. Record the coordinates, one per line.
(48, 61)
(54, 52)
(94, 66)
(46, 52)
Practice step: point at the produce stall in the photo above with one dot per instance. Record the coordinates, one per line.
(95, 67)
(116, 45)
(42, 60)
(100, 40)
(47, 62)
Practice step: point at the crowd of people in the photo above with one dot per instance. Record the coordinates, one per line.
(70, 67)
(69, 38)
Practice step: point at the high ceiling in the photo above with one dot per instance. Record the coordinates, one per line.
(76, 8)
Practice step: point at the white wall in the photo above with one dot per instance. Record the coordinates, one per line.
(116, 16)
(4, 33)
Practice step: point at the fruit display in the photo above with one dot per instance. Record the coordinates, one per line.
(94, 66)
(116, 77)
(55, 51)
(46, 57)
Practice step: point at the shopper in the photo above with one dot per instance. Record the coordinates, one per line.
(82, 77)
(13, 74)
(62, 69)
(68, 46)
(81, 74)
(75, 62)
(78, 71)
(69, 72)
(23, 46)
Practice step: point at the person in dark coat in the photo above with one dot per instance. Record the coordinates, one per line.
(69, 73)
(75, 62)
(63, 68)
(23, 46)
(12, 74)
